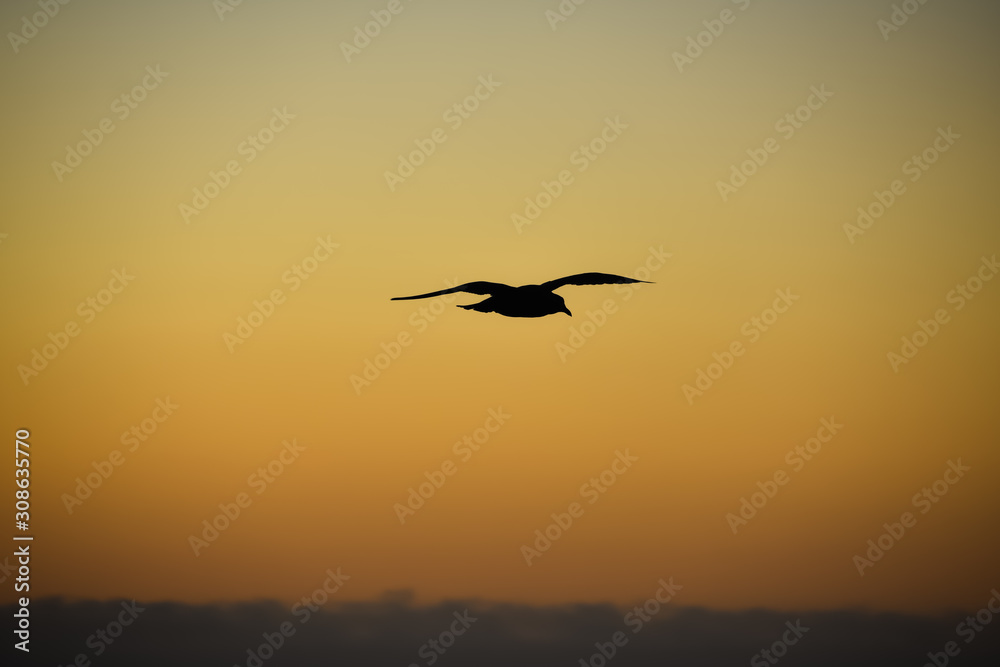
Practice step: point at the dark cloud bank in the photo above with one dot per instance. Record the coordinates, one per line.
(393, 632)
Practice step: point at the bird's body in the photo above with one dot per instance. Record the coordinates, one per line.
(523, 301)
(526, 300)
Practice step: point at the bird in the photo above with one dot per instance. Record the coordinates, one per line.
(525, 300)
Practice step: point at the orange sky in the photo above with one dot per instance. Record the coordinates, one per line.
(258, 122)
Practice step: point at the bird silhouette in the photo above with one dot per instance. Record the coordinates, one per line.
(526, 300)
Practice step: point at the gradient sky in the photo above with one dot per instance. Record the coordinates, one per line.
(656, 186)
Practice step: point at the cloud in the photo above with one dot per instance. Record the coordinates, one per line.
(392, 632)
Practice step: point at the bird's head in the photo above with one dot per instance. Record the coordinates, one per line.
(562, 306)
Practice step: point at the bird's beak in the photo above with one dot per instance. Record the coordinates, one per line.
(566, 310)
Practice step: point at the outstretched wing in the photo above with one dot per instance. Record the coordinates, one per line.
(589, 279)
(479, 287)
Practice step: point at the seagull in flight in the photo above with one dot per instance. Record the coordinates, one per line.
(526, 300)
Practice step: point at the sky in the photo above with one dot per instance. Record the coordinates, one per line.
(207, 208)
